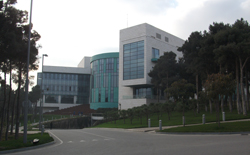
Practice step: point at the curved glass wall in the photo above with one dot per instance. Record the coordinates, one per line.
(104, 81)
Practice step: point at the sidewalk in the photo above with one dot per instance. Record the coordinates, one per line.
(153, 129)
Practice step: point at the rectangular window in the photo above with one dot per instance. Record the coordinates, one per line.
(132, 53)
(101, 65)
(155, 53)
(166, 39)
(158, 36)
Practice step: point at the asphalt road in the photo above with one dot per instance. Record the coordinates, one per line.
(125, 142)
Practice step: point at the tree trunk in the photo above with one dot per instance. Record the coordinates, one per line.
(197, 90)
(3, 108)
(167, 87)
(206, 108)
(12, 114)
(8, 108)
(218, 112)
(230, 103)
(18, 103)
(247, 88)
(237, 89)
(242, 87)
(210, 106)
(158, 94)
(222, 103)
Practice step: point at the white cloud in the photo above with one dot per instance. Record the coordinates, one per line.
(73, 29)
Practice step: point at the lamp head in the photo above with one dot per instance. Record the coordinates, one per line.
(45, 55)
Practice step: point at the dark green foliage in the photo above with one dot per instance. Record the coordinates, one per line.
(35, 94)
(218, 85)
(14, 32)
(164, 71)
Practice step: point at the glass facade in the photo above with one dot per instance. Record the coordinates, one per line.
(104, 81)
(133, 60)
(142, 92)
(65, 88)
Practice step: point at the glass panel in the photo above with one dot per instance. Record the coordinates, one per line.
(51, 98)
(67, 99)
(130, 63)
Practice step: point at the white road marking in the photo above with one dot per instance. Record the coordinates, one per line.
(94, 140)
(106, 139)
(96, 135)
(82, 141)
(56, 138)
(70, 142)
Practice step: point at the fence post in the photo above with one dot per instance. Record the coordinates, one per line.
(160, 126)
(183, 120)
(223, 116)
(203, 119)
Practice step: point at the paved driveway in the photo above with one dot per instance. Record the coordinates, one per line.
(123, 142)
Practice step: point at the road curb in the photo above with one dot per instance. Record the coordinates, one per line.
(204, 133)
(27, 148)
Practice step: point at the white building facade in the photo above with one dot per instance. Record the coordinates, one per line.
(140, 47)
(65, 87)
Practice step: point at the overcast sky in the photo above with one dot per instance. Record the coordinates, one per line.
(72, 29)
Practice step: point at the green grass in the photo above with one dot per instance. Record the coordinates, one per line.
(16, 144)
(243, 126)
(45, 117)
(175, 119)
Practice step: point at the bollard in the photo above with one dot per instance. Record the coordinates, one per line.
(160, 126)
(149, 123)
(42, 129)
(183, 120)
(223, 116)
(203, 119)
(52, 118)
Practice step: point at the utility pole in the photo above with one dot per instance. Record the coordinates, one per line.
(27, 82)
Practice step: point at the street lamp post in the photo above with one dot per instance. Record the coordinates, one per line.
(41, 101)
(27, 83)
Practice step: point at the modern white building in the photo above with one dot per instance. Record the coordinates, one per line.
(140, 47)
(65, 87)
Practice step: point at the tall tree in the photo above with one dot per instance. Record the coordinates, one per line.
(241, 30)
(194, 63)
(233, 44)
(14, 45)
(164, 71)
(219, 85)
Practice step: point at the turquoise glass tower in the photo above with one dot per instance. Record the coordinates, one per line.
(104, 80)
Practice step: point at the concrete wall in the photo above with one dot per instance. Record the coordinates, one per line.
(84, 63)
(147, 33)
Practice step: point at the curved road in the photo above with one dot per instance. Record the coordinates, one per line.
(94, 141)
